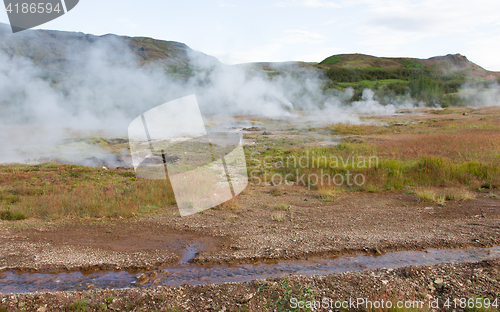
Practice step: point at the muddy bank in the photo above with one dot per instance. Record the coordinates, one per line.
(419, 283)
(250, 231)
(185, 273)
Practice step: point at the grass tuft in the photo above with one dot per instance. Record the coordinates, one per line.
(431, 196)
(459, 194)
(283, 207)
(12, 216)
(278, 217)
(327, 194)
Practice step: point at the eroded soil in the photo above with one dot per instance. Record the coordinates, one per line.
(285, 222)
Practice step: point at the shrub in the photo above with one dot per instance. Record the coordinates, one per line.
(9, 215)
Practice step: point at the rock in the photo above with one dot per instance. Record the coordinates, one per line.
(439, 281)
(267, 133)
(42, 309)
(145, 277)
(246, 298)
(114, 305)
(251, 129)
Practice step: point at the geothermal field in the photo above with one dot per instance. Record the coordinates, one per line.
(350, 184)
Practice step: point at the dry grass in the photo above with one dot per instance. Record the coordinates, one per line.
(278, 217)
(431, 196)
(459, 194)
(427, 153)
(426, 195)
(441, 196)
(328, 194)
(54, 191)
(479, 145)
(350, 129)
(231, 204)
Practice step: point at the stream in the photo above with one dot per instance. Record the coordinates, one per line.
(184, 272)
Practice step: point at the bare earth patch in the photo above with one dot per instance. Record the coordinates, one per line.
(308, 227)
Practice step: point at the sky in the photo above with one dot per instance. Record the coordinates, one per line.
(237, 31)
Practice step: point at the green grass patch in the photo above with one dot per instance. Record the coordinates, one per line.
(371, 84)
(331, 60)
(410, 64)
(12, 216)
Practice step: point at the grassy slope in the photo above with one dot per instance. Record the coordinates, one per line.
(434, 81)
(53, 50)
(448, 150)
(448, 64)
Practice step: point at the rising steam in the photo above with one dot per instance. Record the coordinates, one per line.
(105, 88)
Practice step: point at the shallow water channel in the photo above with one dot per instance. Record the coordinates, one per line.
(184, 272)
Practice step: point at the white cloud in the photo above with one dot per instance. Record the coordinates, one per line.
(485, 50)
(318, 55)
(264, 53)
(225, 4)
(392, 23)
(271, 52)
(329, 4)
(301, 36)
(127, 23)
(309, 3)
(432, 17)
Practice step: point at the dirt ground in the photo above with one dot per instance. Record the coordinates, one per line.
(307, 227)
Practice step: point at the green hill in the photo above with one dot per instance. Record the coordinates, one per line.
(53, 50)
(449, 64)
(436, 80)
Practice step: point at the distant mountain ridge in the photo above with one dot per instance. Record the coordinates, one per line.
(447, 64)
(51, 49)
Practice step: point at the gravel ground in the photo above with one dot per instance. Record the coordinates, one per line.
(309, 228)
(421, 286)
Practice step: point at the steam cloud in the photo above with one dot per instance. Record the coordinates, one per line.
(106, 88)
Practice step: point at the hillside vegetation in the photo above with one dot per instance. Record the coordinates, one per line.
(56, 51)
(434, 81)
